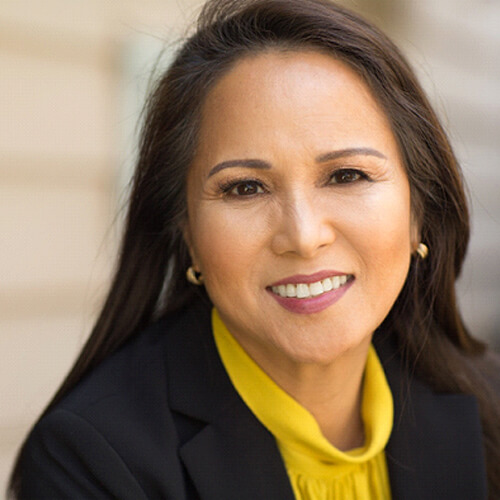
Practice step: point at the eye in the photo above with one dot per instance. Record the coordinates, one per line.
(243, 188)
(347, 176)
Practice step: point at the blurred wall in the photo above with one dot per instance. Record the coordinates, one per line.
(72, 76)
(455, 47)
(66, 112)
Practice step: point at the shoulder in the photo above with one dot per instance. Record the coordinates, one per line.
(65, 456)
(114, 433)
(134, 378)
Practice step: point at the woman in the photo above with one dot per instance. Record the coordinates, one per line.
(291, 164)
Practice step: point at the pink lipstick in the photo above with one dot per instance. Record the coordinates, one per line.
(308, 294)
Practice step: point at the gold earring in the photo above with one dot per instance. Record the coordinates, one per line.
(194, 277)
(422, 250)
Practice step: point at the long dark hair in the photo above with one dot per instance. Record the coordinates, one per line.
(150, 282)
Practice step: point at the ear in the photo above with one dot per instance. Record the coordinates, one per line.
(415, 232)
(186, 234)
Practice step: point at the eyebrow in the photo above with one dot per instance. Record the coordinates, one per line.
(342, 153)
(264, 165)
(248, 163)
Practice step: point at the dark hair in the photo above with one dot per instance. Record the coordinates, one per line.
(150, 278)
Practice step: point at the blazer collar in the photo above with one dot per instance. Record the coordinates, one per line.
(233, 455)
(435, 449)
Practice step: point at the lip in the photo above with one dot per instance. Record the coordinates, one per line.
(311, 305)
(307, 278)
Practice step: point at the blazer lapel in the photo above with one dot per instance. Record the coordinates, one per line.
(230, 455)
(435, 450)
(234, 457)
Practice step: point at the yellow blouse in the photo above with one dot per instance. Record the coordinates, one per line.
(317, 470)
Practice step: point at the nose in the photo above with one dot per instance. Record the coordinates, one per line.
(304, 227)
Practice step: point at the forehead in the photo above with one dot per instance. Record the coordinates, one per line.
(282, 67)
(289, 91)
(277, 99)
(304, 73)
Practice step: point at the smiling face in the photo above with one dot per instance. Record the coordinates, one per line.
(298, 208)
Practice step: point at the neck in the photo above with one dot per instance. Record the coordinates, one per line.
(331, 393)
(338, 412)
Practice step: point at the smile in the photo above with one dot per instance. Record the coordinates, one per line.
(308, 290)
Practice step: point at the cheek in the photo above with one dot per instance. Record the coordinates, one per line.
(388, 259)
(229, 254)
(381, 236)
(224, 242)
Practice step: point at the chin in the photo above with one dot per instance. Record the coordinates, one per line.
(326, 352)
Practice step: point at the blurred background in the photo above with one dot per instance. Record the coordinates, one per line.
(73, 76)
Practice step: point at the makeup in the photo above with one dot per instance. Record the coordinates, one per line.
(308, 294)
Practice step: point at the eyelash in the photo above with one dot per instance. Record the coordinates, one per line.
(360, 176)
(228, 188)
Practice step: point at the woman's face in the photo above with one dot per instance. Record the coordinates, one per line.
(298, 207)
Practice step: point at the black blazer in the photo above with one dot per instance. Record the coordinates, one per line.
(160, 420)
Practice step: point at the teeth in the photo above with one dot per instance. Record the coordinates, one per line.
(335, 282)
(304, 291)
(327, 284)
(316, 288)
